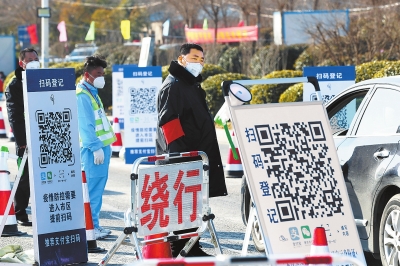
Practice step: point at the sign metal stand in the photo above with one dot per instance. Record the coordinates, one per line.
(278, 149)
(14, 188)
(187, 187)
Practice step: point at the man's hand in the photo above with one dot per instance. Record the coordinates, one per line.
(98, 156)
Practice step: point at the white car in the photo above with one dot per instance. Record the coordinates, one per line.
(368, 147)
(79, 54)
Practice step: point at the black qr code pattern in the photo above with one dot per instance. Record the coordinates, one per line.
(143, 100)
(296, 155)
(55, 137)
(339, 121)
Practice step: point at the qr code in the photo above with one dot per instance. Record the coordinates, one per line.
(120, 89)
(339, 121)
(143, 100)
(296, 159)
(54, 137)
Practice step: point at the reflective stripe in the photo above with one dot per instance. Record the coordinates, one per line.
(106, 136)
(96, 115)
(99, 127)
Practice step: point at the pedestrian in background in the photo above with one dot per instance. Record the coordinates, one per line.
(96, 135)
(28, 59)
(185, 124)
(2, 79)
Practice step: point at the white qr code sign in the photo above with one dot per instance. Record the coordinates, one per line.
(294, 176)
(55, 178)
(140, 88)
(170, 197)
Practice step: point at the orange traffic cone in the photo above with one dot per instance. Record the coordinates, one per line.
(320, 244)
(90, 236)
(11, 135)
(117, 145)
(233, 167)
(157, 251)
(10, 227)
(2, 125)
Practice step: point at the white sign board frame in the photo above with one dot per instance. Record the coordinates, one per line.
(51, 120)
(177, 191)
(118, 92)
(277, 150)
(332, 81)
(141, 86)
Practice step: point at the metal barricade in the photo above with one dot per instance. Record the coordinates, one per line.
(167, 198)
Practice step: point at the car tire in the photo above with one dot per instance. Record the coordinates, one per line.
(245, 201)
(389, 234)
(256, 234)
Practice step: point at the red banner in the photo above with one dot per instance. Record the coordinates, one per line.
(233, 34)
(32, 31)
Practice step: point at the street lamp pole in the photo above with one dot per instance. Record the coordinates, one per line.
(45, 37)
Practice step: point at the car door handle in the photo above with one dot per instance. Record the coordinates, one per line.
(379, 155)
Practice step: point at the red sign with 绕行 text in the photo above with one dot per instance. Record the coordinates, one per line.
(170, 197)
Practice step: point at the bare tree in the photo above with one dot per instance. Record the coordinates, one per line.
(17, 12)
(244, 6)
(354, 45)
(187, 10)
(212, 8)
(216, 9)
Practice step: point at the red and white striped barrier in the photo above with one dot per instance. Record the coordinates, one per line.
(222, 260)
(90, 235)
(10, 224)
(3, 133)
(233, 167)
(320, 244)
(117, 145)
(11, 135)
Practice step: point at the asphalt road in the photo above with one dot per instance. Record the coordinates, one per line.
(116, 201)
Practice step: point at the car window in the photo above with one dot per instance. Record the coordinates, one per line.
(341, 113)
(86, 52)
(382, 115)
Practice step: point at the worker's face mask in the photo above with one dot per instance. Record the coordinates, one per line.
(32, 65)
(194, 68)
(98, 82)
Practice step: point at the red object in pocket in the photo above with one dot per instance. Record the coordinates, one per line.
(172, 130)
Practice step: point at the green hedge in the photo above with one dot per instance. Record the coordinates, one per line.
(293, 94)
(164, 72)
(231, 60)
(212, 70)
(212, 86)
(391, 69)
(78, 66)
(273, 58)
(305, 59)
(271, 93)
(208, 70)
(119, 54)
(368, 70)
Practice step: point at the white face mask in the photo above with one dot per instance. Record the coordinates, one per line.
(33, 65)
(194, 68)
(98, 82)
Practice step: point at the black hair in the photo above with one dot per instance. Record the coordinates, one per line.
(94, 61)
(26, 50)
(185, 48)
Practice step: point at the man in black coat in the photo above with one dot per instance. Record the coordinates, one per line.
(185, 123)
(28, 58)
